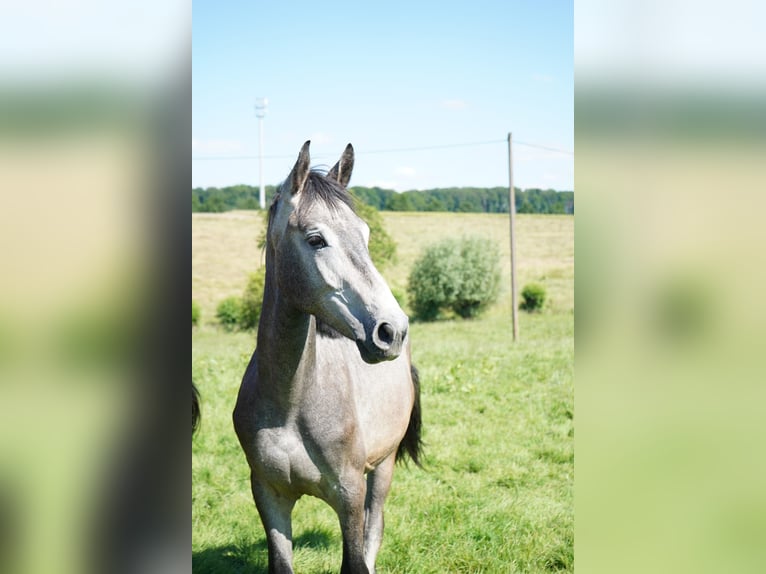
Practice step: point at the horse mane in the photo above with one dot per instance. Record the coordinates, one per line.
(318, 187)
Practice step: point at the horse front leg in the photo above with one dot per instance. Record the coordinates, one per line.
(350, 509)
(378, 485)
(275, 512)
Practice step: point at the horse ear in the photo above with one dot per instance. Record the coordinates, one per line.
(341, 172)
(300, 171)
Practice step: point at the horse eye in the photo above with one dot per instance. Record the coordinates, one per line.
(316, 241)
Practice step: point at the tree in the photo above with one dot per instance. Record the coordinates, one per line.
(400, 202)
(458, 199)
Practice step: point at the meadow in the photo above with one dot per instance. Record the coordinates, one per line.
(496, 490)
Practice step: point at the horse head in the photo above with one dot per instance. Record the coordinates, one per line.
(322, 261)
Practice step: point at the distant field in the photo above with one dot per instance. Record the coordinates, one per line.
(496, 493)
(224, 250)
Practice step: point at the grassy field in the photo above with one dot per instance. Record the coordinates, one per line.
(496, 493)
(224, 250)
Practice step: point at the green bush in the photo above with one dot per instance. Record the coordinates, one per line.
(195, 313)
(461, 275)
(479, 277)
(252, 298)
(382, 247)
(533, 297)
(433, 281)
(229, 312)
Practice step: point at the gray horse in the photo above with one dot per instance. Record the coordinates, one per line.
(330, 399)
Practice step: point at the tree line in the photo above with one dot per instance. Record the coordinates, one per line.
(455, 199)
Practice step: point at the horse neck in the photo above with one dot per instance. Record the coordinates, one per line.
(286, 343)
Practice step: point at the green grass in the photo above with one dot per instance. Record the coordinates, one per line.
(496, 493)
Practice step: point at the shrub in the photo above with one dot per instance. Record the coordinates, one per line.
(195, 313)
(433, 281)
(252, 299)
(229, 312)
(382, 247)
(479, 277)
(461, 275)
(533, 297)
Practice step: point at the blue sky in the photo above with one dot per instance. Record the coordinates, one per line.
(385, 76)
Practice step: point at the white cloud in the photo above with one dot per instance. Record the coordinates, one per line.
(454, 104)
(405, 171)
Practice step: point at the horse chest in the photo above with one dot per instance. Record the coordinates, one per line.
(284, 459)
(304, 455)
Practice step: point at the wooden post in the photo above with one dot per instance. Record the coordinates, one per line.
(512, 214)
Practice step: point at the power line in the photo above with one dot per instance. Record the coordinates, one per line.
(390, 150)
(545, 147)
(438, 146)
(363, 152)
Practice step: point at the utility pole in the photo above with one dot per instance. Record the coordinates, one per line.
(512, 213)
(260, 112)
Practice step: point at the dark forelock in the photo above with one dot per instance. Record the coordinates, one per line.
(318, 187)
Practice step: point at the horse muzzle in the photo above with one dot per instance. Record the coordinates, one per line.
(384, 342)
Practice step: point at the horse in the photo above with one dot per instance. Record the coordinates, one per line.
(330, 399)
(196, 413)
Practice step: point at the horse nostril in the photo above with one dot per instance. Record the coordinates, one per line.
(386, 333)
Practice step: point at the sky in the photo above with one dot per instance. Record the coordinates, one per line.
(426, 92)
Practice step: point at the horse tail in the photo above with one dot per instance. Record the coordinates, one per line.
(195, 408)
(412, 444)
